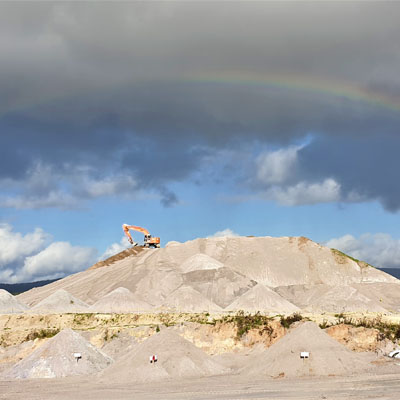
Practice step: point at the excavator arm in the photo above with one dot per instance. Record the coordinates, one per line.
(149, 241)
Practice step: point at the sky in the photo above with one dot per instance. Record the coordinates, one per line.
(195, 119)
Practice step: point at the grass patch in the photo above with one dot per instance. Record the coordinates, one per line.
(245, 322)
(79, 319)
(291, 319)
(387, 330)
(42, 334)
(343, 256)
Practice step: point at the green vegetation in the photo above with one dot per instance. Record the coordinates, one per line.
(42, 334)
(343, 256)
(244, 322)
(82, 318)
(387, 330)
(291, 319)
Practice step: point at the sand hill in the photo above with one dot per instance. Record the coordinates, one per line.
(327, 356)
(341, 298)
(120, 301)
(60, 302)
(9, 304)
(187, 299)
(222, 270)
(55, 358)
(261, 298)
(177, 358)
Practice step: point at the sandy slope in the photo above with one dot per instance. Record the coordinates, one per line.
(327, 356)
(224, 269)
(177, 358)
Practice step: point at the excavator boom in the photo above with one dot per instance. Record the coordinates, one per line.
(149, 241)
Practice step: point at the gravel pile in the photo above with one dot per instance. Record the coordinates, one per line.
(55, 359)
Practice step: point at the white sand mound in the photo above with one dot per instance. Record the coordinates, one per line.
(60, 302)
(186, 299)
(317, 298)
(345, 298)
(260, 298)
(120, 300)
(327, 356)
(221, 285)
(55, 358)
(200, 262)
(274, 262)
(177, 358)
(384, 294)
(9, 304)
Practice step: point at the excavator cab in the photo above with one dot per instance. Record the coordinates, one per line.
(150, 241)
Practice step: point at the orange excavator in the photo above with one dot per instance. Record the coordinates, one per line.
(149, 241)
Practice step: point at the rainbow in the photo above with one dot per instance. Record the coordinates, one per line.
(305, 84)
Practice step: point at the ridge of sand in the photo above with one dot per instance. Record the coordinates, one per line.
(327, 356)
(9, 304)
(340, 298)
(281, 261)
(177, 358)
(187, 299)
(260, 298)
(120, 300)
(200, 261)
(117, 257)
(55, 358)
(60, 301)
(154, 274)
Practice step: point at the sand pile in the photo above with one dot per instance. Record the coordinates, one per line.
(341, 298)
(327, 356)
(200, 262)
(9, 304)
(60, 302)
(221, 285)
(177, 358)
(120, 301)
(223, 269)
(384, 294)
(55, 358)
(260, 298)
(186, 299)
(280, 261)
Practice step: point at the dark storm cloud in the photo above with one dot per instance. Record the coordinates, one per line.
(106, 88)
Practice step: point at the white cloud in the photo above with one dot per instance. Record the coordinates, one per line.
(58, 259)
(380, 249)
(305, 193)
(44, 187)
(276, 166)
(278, 175)
(225, 233)
(115, 248)
(33, 257)
(15, 247)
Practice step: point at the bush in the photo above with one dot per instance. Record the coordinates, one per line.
(42, 334)
(291, 319)
(244, 322)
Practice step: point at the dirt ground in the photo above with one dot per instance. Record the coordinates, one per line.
(380, 386)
